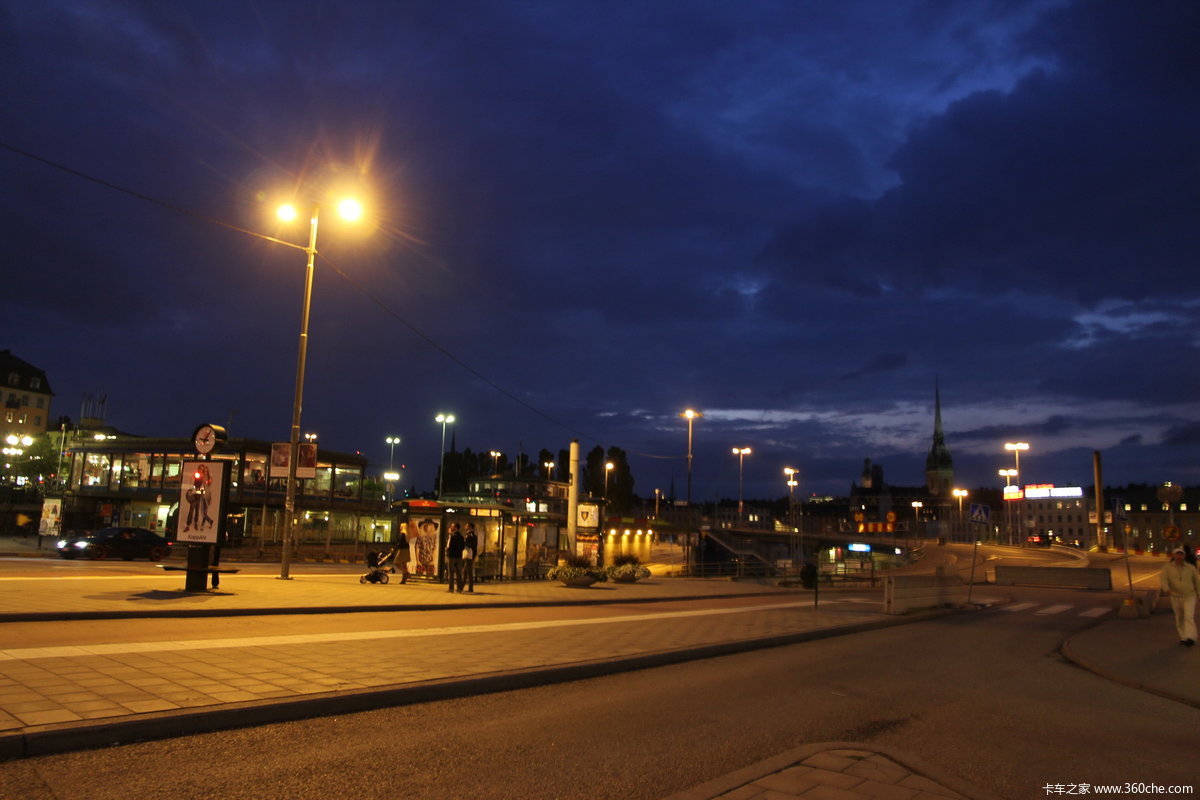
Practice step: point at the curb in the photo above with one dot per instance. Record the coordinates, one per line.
(63, 616)
(66, 737)
(735, 780)
(1069, 653)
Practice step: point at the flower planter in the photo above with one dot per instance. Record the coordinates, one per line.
(582, 581)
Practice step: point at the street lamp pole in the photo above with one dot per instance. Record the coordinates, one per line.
(392, 441)
(741, 453)
(792, 483)
(960, 494)
(289, 502)
(1015, 448)
(690, 415)
(445, 419)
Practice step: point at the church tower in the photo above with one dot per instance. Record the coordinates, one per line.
(939, 466)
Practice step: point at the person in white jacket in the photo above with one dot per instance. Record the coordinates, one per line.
(1181, 581)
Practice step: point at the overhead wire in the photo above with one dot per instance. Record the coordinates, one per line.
(338, 270)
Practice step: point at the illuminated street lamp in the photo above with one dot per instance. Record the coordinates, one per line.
(961, 494)
(1008, 475)
(690, 415)
(391, 442)
(608, 467)
(1015, 448)
(495, 454)
(391, 478)
(350, 210)
(549, 465)
(741, 453)
(445, 419)
(792, 483)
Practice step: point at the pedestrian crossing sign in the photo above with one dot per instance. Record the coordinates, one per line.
(980, 513)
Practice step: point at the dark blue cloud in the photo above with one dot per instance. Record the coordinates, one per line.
(612, 211)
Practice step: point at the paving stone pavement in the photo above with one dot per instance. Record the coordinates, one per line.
(59, 698)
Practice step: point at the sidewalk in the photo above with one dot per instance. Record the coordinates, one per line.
(55, 699)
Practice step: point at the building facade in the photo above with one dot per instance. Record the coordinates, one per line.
(27, 398)
(115, 479)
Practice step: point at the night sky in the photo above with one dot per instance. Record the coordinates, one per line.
(796, 217)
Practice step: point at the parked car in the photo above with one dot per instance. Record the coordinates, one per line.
(125, 543)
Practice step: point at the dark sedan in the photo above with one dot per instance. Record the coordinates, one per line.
(126, 543)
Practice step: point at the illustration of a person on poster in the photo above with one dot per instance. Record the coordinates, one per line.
(198, 498)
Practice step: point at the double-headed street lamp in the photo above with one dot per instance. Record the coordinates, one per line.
(741, 453)
(495, 454)
(444, 419)
(351, 210)
(690, 415)
(792, 483)
(549, 465)
(391, 442)
(1016, 448)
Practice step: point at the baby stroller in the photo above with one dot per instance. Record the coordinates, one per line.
(377, 571)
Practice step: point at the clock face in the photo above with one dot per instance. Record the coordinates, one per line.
(206, 438)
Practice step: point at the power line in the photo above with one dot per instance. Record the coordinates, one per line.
(340, 272)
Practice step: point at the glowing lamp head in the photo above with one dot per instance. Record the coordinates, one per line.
(350, 209)
(287, 212)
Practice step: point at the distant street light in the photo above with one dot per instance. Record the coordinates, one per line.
(444, 419)
(741, 453)
(792, 483)
(549, 465)
(608, 467)
(961, 494)
(391, 477)
(495, 454)
(690, 415)
(349, 210)
(391, 442)
(1016, 448)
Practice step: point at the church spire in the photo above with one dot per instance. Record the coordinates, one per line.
(939, 466)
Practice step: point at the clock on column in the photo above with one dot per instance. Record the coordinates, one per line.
(207, 437)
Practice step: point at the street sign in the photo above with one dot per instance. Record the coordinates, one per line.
(980, 513)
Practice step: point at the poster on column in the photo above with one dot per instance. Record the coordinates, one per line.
(423, 535)
(200, 498)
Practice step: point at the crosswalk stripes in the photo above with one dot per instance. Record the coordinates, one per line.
(1059, 608)
(1053, 610)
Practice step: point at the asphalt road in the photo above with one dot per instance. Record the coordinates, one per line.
(983, 696)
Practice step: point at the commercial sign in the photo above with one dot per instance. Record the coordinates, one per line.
(1041, 491)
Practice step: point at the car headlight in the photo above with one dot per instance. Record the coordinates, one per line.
(60, 544)
(81, 545)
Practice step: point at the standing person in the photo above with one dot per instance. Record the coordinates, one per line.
(1181, 580)
(470, 553)
(402, 556)
(454, 557)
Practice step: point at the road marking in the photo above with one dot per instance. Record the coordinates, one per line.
(1018, 607)
(1099, 611)
(68, 651)
(1054, 610)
